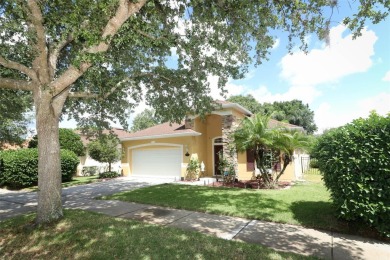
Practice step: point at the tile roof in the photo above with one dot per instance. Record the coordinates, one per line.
(162, 130)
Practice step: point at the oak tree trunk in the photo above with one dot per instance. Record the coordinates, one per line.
(49, 163)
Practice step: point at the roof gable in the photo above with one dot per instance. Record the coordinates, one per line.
(230, 105)
(161, 131)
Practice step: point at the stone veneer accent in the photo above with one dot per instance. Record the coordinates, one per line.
(189, 123)
(229, 125)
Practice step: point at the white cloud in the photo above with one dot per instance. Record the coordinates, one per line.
(174, 52)
(232, 89)
(387, 76)
(324, 64)
(276, 44)
(327, 116)
(380, 103)
(324, 117)
(305, 93)
(344, 56)
(308, 39)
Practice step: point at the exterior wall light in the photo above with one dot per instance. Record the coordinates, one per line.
(187, 153)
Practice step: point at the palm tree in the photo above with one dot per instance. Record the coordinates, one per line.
(287, 142)
(254, 134)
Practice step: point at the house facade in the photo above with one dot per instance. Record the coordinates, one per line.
(165, 150)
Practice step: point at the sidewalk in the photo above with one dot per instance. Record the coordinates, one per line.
(281, 237)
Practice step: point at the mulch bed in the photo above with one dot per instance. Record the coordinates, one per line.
(249, 184)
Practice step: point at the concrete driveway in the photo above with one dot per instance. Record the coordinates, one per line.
(14, 203)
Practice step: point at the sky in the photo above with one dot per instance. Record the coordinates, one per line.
(340, 82)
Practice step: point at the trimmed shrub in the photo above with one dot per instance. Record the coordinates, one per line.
(354, 161)
(69, 162)
(90, 170)
(314, 163)
(108, 175)
(193, 169)
(20, 167)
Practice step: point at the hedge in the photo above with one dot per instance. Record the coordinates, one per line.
(20, 167)
(355, 162)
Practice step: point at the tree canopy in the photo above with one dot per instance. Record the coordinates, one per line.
(145, 120)
(13, 119)
(293, 112)
(94, 60)
(69, 140)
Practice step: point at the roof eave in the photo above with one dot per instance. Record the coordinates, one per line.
(238, 107)
(160, 136)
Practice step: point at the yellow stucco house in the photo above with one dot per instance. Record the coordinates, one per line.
(165, 150)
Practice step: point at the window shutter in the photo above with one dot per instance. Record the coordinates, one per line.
(250, 160)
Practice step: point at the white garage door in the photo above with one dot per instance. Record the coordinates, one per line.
(157, 162)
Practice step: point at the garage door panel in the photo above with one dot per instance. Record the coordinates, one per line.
(157, 162)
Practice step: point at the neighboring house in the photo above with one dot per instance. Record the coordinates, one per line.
(87, 161)
(165, 150)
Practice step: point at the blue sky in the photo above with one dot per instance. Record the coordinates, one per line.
(341, 81)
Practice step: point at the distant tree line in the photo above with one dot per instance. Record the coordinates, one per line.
(294, 112)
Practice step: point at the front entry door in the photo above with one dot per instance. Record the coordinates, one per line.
(217, 149)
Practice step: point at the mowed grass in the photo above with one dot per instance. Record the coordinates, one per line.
(307, 204)
(81, 180)
(87, 235)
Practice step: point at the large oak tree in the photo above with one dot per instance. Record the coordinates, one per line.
(14, 119)
(93, 60)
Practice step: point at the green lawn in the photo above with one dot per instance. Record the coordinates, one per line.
(306, 204)
(86, 235)
(80, 181)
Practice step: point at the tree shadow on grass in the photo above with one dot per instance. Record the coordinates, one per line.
(93, 236)
(322, 215)
(316, 214)
(226, 201)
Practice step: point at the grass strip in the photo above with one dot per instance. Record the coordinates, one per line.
(87, 235)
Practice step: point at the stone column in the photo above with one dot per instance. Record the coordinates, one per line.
(229, 125)
(189, 123)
